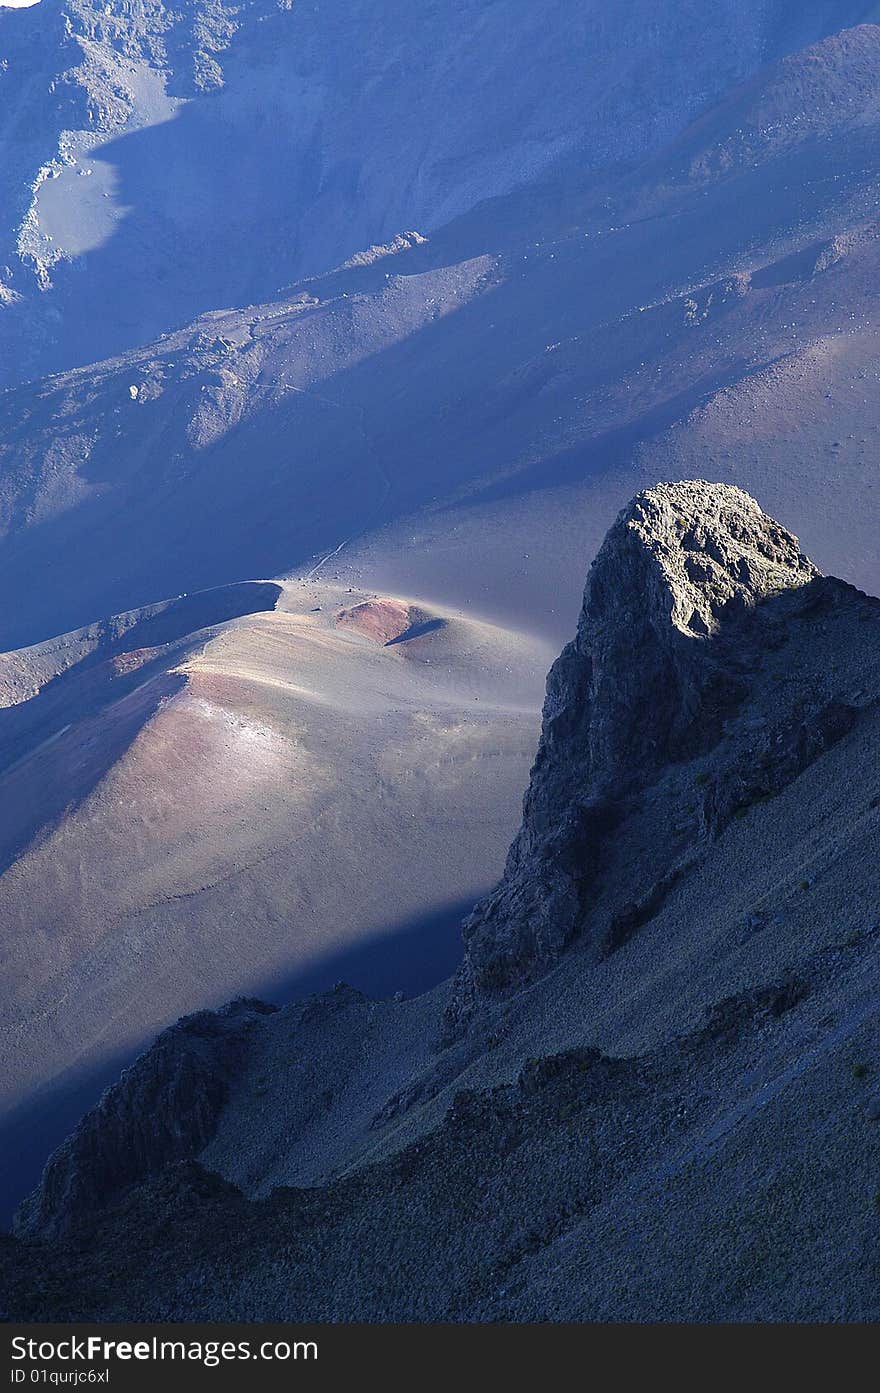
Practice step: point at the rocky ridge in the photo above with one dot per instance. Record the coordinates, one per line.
(673, 619)
(163, 1109)
(752, 668)
(453, 1227)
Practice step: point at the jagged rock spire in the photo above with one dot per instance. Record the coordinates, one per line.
(649, 677)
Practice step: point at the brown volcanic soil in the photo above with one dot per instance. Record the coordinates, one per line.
(238, 817)
(381, 620)
(716, 1161)
(521, 379)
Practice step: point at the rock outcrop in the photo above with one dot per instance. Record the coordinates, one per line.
(660, 661)
(586, 1187)
(579, 1153)
(162, 1110)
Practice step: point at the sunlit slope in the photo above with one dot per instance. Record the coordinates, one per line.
(277, 793)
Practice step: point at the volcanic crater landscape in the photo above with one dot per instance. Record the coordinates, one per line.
(338, 346)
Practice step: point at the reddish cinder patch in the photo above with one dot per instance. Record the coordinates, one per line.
(380, 620)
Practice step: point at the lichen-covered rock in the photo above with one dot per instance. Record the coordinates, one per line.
(653, 671)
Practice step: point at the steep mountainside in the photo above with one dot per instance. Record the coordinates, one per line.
(520, 373)
(132, 198)
(634, 687)
(673, 1114)
(352, 326)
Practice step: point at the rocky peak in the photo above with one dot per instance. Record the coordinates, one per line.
(681, 564)
(669, 620)
(699, 548)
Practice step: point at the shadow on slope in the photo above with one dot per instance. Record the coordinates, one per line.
(462, 106)
(547, 354)
(79, 723)
(412, 958)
